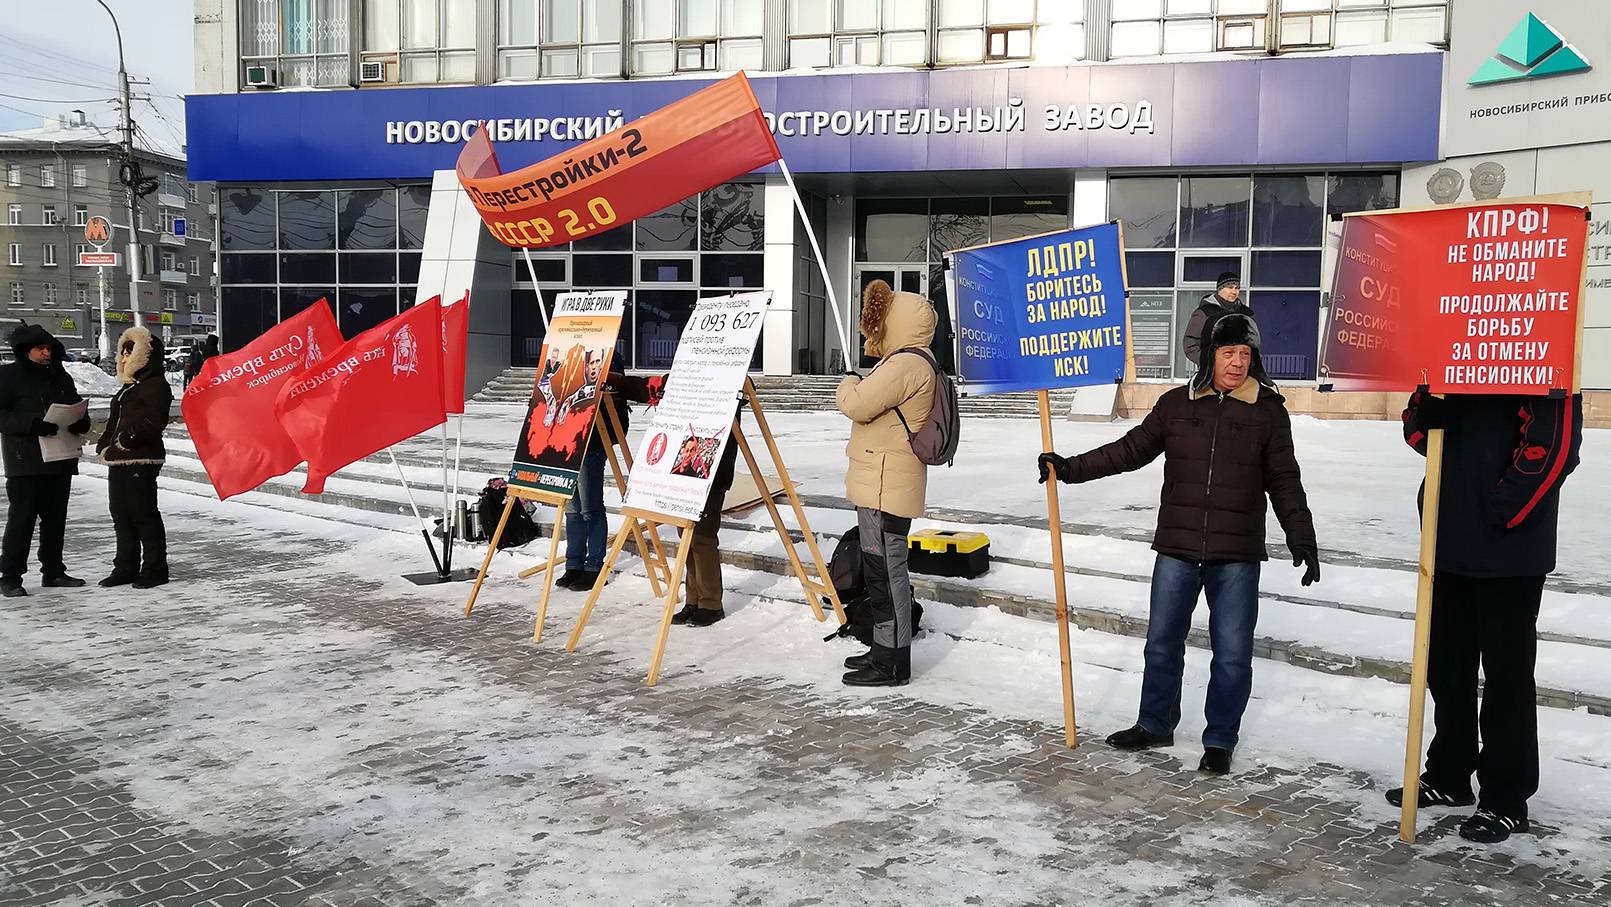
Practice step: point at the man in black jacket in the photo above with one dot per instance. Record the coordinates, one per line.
(1225, 300)
(1504, 458)
(1226, 441)
(36, 491)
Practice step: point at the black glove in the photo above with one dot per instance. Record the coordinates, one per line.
(44, 429)
(1307, 556)
(1050, 463)
(81, 427)
(1431, 412)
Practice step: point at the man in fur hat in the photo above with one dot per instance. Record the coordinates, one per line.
(1226, 441)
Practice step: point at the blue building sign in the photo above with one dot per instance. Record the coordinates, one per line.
(178, 226)
(1367, 109)
(1041, 313)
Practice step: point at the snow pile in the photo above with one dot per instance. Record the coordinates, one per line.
(91, 381)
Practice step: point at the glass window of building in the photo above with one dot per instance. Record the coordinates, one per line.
(972, 31)
(703, 246)
(559, 39)
(47, 176)
(80, 215)
(858, 33)
(47, 215)
(281, 251)
(293, 43)
(19, 295)
(695, 35)
(13, 214)
(13, 174)
(1181, 233)
(80, 176)
(420, 40)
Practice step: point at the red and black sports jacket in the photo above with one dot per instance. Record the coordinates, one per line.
(1504, 459)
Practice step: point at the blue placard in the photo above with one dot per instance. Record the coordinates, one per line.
(1041, 313)
(178, 226)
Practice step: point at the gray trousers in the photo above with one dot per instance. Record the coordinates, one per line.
(883, 570)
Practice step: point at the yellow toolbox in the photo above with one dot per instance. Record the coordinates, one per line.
(945, 552)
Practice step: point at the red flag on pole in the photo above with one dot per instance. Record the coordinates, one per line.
(229, 406)
(455, 349)
(709, 137)
(380, 387)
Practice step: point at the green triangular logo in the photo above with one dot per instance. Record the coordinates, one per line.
(1565, 60)
(1532, 50)
(1529, 41)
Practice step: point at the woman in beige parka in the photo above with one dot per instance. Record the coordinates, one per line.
(885, 480)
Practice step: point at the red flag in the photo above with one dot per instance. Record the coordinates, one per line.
(709, 137)
(380, 387)
(455, 348)
(229, 406)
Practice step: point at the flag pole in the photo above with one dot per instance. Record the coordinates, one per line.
(446, 566)
(822, 264)
(416, 508)
(532, 270)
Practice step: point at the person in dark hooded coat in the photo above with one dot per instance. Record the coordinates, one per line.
(36, 491)
(133, 451)
(1226, 441)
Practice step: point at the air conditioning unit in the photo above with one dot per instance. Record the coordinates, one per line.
(261, 76)
(372, 71)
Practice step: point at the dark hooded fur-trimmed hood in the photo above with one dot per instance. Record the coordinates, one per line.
(26, 337)
(139, 355)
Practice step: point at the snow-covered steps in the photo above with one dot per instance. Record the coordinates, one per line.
(1358, 622)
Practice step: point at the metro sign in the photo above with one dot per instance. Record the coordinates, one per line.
(97, 231)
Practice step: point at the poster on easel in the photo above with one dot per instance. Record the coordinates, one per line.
(692, 426)
(571, 369)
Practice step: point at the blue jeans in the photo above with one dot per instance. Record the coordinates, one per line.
(586, 528)
(1233, 610)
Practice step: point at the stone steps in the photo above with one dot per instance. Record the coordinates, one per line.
(378, 495)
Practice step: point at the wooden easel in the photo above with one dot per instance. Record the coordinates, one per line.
(611, 433)
(812, 586)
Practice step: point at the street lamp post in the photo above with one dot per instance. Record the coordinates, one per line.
(126, 125)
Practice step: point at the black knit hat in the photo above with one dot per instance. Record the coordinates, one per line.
(1227, 279)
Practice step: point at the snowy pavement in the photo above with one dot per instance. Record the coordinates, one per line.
(291, 723)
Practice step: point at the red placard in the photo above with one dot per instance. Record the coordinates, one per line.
(707, 138)
(1475, 299)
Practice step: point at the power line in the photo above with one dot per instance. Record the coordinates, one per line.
(33, 78)
(20, 97)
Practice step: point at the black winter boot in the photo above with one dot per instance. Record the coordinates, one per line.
(885, 668)
(1429, 795)
(12, 588)
(61, 581)
(1216, 761)
(857, 662)
(1488, 827)
(1139, 738)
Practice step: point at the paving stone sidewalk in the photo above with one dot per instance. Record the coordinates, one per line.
(268, 731)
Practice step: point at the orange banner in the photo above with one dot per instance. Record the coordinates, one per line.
(686, 147)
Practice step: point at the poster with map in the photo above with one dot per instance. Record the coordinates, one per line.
(574, 361)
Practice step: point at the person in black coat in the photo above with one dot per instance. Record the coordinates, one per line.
(133, 451)
(1225, 300)
(1504, 459)
(36, 491)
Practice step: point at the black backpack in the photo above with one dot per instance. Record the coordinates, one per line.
(520, 529)
(844, 571)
